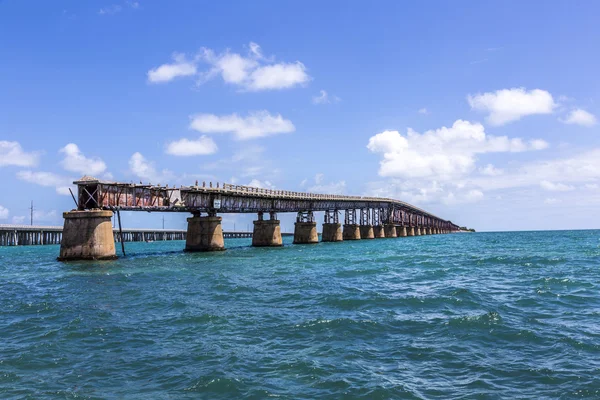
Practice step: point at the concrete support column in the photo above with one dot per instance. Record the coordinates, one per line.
(366, 232)
(401, 231)
(305, 233)
(390, 230)
(410, 231)
(267, 233)
(87, 235)
(351, 232)
(417, 231)
(332, 232)
(204, 234)
(378, 231)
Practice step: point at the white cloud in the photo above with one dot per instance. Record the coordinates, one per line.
(3, 212)
(261, 184)
(321, 186)
(145, 170)
(592, 186)
(252, 72)
(555, 187)
(11, 153)
(441, 154)
(508, 105)
(583, 168)
(470, 196)
(18, 219)
(580, 117)
(490, 170)
(423, 111)
(255, 125)
(168, 72)
(75, 161)
(185, 147)
(324, 98)
(48, 179)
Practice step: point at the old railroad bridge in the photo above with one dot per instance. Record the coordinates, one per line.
(88, 232)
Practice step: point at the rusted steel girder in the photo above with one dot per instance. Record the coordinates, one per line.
(96, 194)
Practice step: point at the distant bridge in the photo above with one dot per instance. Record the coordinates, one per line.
(27, 235)
(364, 217)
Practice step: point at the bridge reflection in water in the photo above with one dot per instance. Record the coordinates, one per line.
(88, 231)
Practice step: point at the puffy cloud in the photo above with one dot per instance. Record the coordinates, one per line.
(11, 153)
(580, 117)
(75, 161)
(145, 170)
(3, 212)
(48, 179)
(252, 72)
(423, 111)
(508, 105)
(441, 154)
(555, 187)
(185, 147)
(255, 125)
(168, 72)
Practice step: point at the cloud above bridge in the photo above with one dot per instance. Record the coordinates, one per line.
(75, 161)
(250, 72)
(509, 105)
(257, 124)
(11, 153)
(199, 147)
(441, 154)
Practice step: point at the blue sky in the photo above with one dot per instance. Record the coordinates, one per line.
(484, 113)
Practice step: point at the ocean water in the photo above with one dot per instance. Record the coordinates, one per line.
(485, 315)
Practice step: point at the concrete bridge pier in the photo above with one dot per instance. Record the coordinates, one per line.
(305, 228)
(267, 233)
(390, 230)
(367, 232)
(417, 231)
(332, 232)
(378, 231)
(204, 234)
(87, 235)
(352, 232)
(332, 229)
(410, 231)
(401, 231)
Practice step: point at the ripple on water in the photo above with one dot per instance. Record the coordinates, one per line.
(491, 315)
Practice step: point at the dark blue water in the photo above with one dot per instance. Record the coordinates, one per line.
(491, 315)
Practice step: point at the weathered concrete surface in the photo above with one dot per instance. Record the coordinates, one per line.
(401, 231)
(267, 233)
(352, 232)
(87, 235)
(378, 231)
(390, 230)
(305, 233)
(410, 231)
(332, 233)
(430, 231)
(366, 232)
(204, 234)
(417, 231)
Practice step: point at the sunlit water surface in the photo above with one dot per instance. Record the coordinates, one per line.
(486, 315)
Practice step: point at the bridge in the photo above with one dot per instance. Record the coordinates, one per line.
(88, 231)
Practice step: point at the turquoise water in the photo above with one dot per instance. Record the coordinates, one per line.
(486, 315)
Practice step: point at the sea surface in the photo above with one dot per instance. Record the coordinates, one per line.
(484, 315)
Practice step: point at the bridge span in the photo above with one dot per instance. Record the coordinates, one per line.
(88, 234)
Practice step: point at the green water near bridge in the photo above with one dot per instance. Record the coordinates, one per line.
(485, 315)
